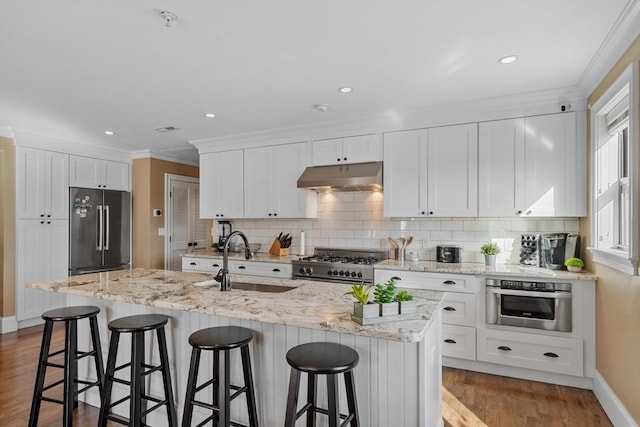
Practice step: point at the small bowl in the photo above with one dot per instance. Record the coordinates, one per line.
(254, 247)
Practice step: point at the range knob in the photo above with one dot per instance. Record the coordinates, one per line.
(309, 270)
(335, 272)
(303, 270)
(341, 273)
(359, 274)
(354, 274)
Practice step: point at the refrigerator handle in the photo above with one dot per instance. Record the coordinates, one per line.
(100, 228)
(106, 235)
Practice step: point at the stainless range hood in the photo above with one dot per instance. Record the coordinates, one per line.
(350, 177)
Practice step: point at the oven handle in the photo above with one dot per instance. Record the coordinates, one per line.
(532, 294)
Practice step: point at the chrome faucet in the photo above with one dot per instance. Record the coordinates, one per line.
(223, 275)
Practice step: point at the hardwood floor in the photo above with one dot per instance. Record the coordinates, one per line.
(470, 399)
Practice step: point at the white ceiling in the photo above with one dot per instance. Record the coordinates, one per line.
(73, 69)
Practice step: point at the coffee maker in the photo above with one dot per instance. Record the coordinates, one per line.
(557, 248)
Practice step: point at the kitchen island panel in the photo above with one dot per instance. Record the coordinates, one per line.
(398, 383)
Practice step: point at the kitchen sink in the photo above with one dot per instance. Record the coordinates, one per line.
(259, 287)
(246, 286)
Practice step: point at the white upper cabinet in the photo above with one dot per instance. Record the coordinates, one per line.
(42, 184)
(533, 166)
(270, 189)
(431, 172)
(88, 172)
(452, 171)
(354, 149)
(501, 168)
(222, 185)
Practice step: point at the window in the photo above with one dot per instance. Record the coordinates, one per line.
(614, 172)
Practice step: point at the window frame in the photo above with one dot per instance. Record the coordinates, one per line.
(626, 84)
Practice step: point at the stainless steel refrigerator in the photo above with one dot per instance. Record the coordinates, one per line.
(99, 230)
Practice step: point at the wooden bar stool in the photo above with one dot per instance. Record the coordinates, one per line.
(322, 358)
(70, 381)
(137, 326)
(220, 340)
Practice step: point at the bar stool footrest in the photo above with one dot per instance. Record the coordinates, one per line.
(51, 399)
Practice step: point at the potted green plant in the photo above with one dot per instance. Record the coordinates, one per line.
(574, 265)
(363, 308)
(384, 295)
(407, 304)
(490, 250)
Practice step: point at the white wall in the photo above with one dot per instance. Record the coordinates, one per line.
(355, 220)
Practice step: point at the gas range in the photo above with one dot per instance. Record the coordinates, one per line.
(339, 265)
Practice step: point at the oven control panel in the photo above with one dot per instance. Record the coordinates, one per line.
(527, 285)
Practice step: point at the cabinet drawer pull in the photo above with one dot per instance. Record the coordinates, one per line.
(449, 309)
(448, 282)
(192, 263)
(276, 270)
(215, 265)
(550, 354)
(242, 267)
(504, 348)
(396, 278)
(450, 341)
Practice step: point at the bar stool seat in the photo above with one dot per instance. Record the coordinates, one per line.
(70, 381)
(137, 325)
(220, 340)
(322, 358)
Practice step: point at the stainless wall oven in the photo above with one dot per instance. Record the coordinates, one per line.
(528, 304)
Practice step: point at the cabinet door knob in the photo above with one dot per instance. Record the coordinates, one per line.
(345, 159)
(269, 213)
(430, 212)
(550, 354)
(48, 216)
(422, 212)
(48, 222)
(449, 341)
(189, 244)
(519, 212)
(41, 215)
(338, 159)
(449, 309)
(275, 214)
(41, 222)
(504, 348)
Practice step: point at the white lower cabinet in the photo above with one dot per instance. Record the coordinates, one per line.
(459, 309)
(42, 253)
(531, 351)
(458, 341)
(281, 270)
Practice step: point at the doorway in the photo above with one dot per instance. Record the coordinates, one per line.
(185, 231)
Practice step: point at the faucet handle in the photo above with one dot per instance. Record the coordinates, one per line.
(247, 253)
(218, 277)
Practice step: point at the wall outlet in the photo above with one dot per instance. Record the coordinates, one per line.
(157, 212)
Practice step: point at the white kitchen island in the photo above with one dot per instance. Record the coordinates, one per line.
(398, 379)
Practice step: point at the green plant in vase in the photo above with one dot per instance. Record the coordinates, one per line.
(407, 304)
(490, 250)
(363, 308)
(574, 265)
(384, 295)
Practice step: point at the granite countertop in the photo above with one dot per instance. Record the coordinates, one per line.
(310, 304)
(239, 256)
(483, 270)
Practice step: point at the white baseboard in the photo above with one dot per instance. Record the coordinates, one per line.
(614, 409)
(8, 324)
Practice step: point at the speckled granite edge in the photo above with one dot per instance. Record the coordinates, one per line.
(310, 304)
(483, 270)
(235, 256)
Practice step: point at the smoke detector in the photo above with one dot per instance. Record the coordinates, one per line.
(168, 17)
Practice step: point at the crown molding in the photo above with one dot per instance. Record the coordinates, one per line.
(495, 108)
(622, 35)
(24, 138)
(150, 154)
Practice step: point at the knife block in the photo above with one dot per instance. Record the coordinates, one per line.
(276, 250)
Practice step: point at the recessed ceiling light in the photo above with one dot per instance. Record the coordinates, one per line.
(345, 90)
(508, 59)
(166, 129)
(209, 115)
(109, 132)
(321, 107)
